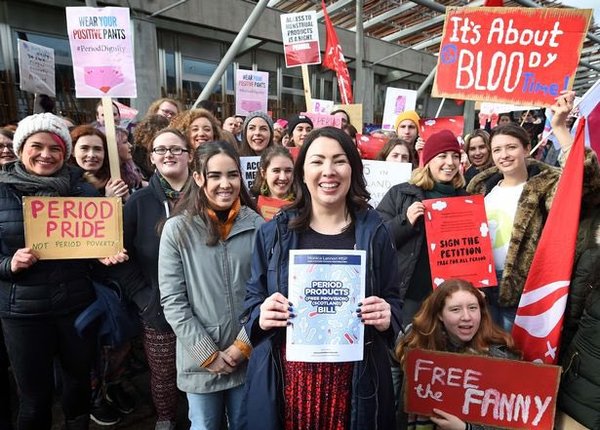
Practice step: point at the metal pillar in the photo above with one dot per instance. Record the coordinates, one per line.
(232, 51)
(426, 83)
(359, 87)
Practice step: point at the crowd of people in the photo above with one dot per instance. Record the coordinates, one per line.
(207, 276)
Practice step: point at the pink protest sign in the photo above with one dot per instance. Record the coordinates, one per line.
(101, 42)
(320, 120)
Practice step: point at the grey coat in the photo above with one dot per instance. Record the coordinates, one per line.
(202, 291)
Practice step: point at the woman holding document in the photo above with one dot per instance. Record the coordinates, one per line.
(331, 212)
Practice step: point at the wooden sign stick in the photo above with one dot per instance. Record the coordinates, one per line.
(307, 94)
(111, 138)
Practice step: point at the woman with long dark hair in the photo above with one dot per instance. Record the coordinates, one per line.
(203, 266)
(331, 211)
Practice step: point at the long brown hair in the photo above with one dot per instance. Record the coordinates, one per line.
(195, 202)
(428, 331)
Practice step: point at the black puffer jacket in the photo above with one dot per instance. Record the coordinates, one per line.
(407, 238)
(579, 393)
(138, 277)
(49, 287)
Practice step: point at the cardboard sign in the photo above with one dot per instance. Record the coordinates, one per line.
(429, 126)
(61, 228)
(101, 42)
(512, 55)
(250, 166)
(355, 111)
(458, 241)
(397, 100)
(269, 206)
(323, 120)
(36, 68)
(383, 175)
(251, 91)
(300, 34)
(502, 393)
(369, 146)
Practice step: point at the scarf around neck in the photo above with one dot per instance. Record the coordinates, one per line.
(18, 177)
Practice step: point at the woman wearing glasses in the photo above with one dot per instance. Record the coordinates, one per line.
(144, 212)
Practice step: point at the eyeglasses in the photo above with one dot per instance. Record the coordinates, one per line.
(4, 146)
(175, 150)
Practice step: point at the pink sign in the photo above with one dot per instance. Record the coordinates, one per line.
(251, 91)
(321, 120)
(101, 41)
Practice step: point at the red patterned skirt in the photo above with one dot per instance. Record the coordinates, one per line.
(317, 395)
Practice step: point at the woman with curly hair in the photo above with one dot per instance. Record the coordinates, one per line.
(199, 125)
(454, 318)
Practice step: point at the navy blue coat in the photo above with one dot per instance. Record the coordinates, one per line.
(372, 392)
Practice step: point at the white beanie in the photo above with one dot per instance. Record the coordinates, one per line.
(40, 123)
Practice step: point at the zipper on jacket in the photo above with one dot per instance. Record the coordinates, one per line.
(167, 209)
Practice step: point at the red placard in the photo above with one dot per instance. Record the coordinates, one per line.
(269, 206)
(458, 241)
(429, 126)
(302, 53)
(490, 391)
(512, 55)
(369, 146)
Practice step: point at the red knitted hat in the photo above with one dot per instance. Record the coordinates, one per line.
(439, 142)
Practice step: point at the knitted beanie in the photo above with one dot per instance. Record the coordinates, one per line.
(257, 114)
(298, 119)
(40, 123)
(439, 142)
(407, 114)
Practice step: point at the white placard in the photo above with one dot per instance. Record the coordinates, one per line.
(325, 288)
(322, 106)
(36, 68)
(397, 100)
(250, 166)
(383, 175)
(101, 43)
(300, 34)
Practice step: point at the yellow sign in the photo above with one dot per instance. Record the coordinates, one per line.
(355, 112)
(60, 228)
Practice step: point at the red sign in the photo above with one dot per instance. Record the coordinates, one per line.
(429, 126)
(483, 390)
(369, 146)
(512, 55)
(269, 206)
(302, 53)
(458, 241)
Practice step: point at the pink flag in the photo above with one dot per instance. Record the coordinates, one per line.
(540, 314)
(334, 59)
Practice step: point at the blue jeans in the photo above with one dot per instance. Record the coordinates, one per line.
(501, 315)
(206, 409)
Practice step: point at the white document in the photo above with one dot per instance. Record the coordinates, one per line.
(325, 288)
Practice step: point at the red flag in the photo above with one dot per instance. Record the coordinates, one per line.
(541, 309)
(493, 3)
(334, 59)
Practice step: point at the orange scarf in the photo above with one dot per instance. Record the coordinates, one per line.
(225, 227)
